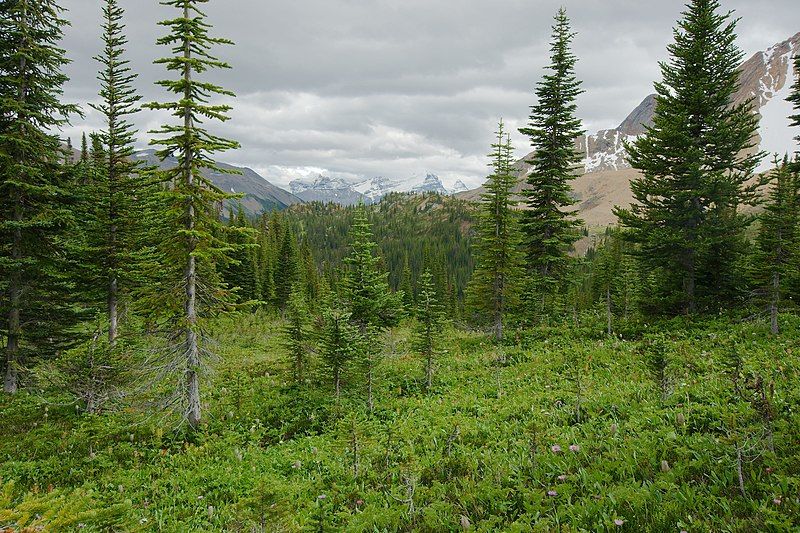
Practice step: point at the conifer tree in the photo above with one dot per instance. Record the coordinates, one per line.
(366, 290)
(297, 335)
(794, 97)
(122, 196)
(34, 189)
(287, 269)
(778, 237)
(430, 322)
(497, 245)
(550, 226)
(697, 162)
(339, 339)
(405, 286)
(193, 244)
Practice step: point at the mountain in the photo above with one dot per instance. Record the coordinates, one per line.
(605, 182)
(336, 190)
(259, 194)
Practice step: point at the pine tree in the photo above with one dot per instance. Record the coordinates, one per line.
(497, 247)
(366, 290)
(405, 286)
(696, 171)
(287, 270)
(34, 189)
(550, 226)
(794, 97)
(193, 244)
(430, 322)
(778, 237)
(338, 341)
(122, 194)
(297, 335)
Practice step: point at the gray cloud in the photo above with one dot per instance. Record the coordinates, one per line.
(401, 87)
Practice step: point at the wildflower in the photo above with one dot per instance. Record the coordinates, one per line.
(562, 477)
(322, 497)
(552, 493)
(359, 502)
(575, 448)
(770, 470)
(619, 522)
(777, 501)
(296, 465)
(613, 429)
(555, 448)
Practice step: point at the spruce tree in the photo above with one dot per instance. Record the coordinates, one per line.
(297, 335)
(338, 341)
(35, 214)
(697, 162)
(495, 282)
(430, 322)
(777, 239)
(794, 97)
(366, 290)
(287, 269)
(122, 195)
(550, 226)
(193, 244)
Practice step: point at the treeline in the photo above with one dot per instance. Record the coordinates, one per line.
(690, 243)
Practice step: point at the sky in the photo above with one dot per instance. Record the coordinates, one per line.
(399, 88)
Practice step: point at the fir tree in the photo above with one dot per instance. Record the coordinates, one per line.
(287, 270)
(550, 227)
(794, 97)
(778, 237)
(495, 280)
(34, 188)
(193, 244)
(696, 171)
(122, 195)
(338, 341)
(366, 290)
(297, 335)
(430, 322)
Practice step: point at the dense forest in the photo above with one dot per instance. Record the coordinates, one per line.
(425, 363)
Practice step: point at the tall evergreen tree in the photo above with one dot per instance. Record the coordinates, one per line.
(778, 237)
(338, 339)
(366, 289)
(287, 269)
(193, 244)
(34, 210)
(697, 162)
(297, 335)
(550, 226)
(122, 196)
(794, 97)
(430, 321)
(497, 247)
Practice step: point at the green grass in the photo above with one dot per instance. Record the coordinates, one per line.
(477, 452)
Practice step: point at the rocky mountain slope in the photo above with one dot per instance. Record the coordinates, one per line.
(259, 194)
(605, 182)
(340, 191)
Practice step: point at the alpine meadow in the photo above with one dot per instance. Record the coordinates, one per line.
(393, 266)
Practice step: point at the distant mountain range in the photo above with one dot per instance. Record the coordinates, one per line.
(337, 190)
(259, 194)
(766, 77)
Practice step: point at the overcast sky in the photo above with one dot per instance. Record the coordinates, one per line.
(401, 87)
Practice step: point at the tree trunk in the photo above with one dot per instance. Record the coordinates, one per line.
(608, 310)
(773, 306)
(11, 381)
(691, 304)
(429, 371)
(113, 319)
(370, 401)
(337, 381)
(192, 346)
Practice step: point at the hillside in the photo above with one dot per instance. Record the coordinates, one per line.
(259, 194)
(605, 181)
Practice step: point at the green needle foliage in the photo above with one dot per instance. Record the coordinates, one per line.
(495, 285)
(778, 238)
(550, 226)
(697, 162)
(297, 335)
(794, 98)
(193, 247)
(430, 322)
(122, 196)
(35, 195)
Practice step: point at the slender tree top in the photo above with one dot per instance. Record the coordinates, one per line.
(794, 98)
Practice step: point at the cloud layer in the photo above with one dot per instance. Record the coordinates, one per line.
(401, 87)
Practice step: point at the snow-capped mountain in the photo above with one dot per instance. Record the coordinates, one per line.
(337, 190)
(766, 77)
